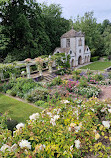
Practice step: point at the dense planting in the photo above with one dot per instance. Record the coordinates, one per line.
(69, 130)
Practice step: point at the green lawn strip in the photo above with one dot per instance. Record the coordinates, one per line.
(97, 65)
(17, 110)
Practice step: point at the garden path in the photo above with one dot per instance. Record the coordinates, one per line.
(106, 92)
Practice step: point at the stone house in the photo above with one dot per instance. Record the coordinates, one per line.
(73, 44)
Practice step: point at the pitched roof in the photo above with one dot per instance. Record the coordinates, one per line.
(72, 33)
(62, 50)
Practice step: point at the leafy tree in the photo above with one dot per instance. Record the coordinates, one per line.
(55, 25)
(93, 38)
(24, 26)
(107, 40)
(3, 42)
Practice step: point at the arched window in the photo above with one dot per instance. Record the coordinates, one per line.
(80, 51)
(68, 42)
(87, 49)
(80, 42)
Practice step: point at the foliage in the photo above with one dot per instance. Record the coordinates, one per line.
(85, 128)
(31, 27)
(38, 93)
(89, 26)
(56, 81)
(95, 58)
(63, 71)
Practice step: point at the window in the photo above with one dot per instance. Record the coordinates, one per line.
(70, 52)
(87, 49)
(67, 42)
(80, 42)
(80, 51)
(57, 52)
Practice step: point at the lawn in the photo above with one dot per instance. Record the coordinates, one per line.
(17, 110)
(98, 65)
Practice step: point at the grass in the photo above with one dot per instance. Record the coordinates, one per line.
(17, 110)
(98, 65)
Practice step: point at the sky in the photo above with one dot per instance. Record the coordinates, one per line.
(72, 8)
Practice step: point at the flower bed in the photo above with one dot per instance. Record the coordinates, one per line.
(69, 130)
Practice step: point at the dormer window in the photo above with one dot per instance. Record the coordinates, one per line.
(87, 49)
(68, 42)
(80, 42)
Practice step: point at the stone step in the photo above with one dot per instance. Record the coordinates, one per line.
(49, 77)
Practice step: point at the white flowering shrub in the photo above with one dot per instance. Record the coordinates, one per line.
(66, 131)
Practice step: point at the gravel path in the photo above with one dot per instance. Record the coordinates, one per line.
(106, 92)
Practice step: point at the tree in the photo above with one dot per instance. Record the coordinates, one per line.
(25, 27)
(107, 40)
(93, 38)
(55, 25)
(3, 43)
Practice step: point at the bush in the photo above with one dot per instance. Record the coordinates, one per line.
(39, 103)
(83, 82)
(11, 92)
(36, 94)
(95, 58)
(66, 131)
(56, 81)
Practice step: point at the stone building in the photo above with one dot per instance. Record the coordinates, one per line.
(73, 43)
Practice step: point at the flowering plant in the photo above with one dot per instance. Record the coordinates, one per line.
(68, 130)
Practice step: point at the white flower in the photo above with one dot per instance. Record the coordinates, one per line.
(92, 110)
(69, 129)
(52, 121)
(49, 113)
(20, 125)
(109, 105)
(58, 110)
(14, 147)
(77, 128)
(44, 145)
(77, 143)
(34, 116)
(103, 109)
(56, 117)
(71, 147)
(25, 144)
(65, 101)
(109, 110)
(5, 147)
(106, 124)
(22, 72)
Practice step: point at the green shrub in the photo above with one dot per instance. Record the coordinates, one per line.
(95, 58)
(98, 77)
(76, 77)
(56, 81)
(11, 92)
(83, 82)
(39, 103)
(36, 94)
(76, 72)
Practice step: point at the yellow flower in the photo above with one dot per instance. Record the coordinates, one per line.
(72, 125)
(101, 127)
(97, 136)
